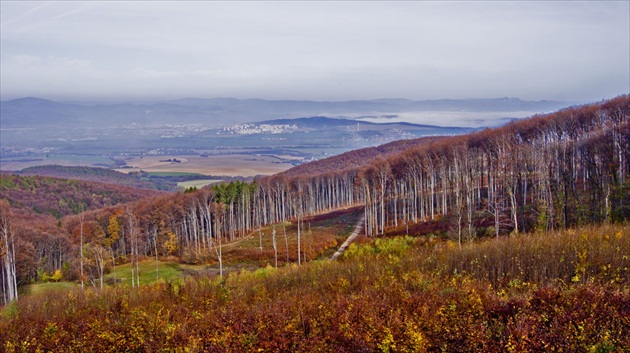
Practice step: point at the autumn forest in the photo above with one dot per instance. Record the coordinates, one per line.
(514, 238)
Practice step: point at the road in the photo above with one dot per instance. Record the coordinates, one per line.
(355, 233)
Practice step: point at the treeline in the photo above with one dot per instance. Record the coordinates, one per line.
(561, 170)
(102, 175)
(357, 158)
(555, 171)
(551, 171)
(141, 179)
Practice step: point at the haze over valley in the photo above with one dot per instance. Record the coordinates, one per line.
(90, 83)
(37, 131)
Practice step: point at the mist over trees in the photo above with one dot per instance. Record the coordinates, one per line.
(553, 171)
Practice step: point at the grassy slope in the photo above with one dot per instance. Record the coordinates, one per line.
(43, 288)
(166, 271)
(320, 238)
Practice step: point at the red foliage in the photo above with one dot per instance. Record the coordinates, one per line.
(62, 197)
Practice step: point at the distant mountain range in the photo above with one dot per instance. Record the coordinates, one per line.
(33, 128)
(318, 122)
(29, 112)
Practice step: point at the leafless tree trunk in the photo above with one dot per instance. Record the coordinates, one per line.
(133, 240)
(81, 218)
(275, 248)
(7, 252)
(286, 239)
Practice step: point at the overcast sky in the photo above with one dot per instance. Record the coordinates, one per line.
(574, 51)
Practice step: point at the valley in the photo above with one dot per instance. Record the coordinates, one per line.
(36, 132)
(219, 151)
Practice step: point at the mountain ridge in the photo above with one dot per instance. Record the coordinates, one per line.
(29, 110)
(315, 120)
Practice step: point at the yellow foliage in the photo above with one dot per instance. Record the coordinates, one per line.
(56, 276)
(387, 344)
(171, 244)
(417, 342)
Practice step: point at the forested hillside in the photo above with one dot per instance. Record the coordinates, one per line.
(139, 179)
(61, 197)
(102, 175)
(357, 158)
(554, 171)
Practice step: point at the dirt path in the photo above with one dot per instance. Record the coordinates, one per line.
(355, 233)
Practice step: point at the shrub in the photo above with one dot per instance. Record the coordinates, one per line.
(396, 295)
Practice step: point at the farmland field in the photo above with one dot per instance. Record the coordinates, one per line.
(197, 183)
(228, 165)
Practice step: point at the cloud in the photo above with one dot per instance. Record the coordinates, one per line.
(319, 50)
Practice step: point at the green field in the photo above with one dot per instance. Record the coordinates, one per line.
(166, 271)
(41, 288)
(197, 183)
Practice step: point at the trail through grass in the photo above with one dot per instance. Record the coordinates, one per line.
(41, 288)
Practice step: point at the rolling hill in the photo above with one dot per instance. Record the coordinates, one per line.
(62, 197)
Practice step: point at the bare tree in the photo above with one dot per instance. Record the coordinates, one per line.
(81, 219)
(275, 248)
(7, 252)
(132, 232)
(383, 173)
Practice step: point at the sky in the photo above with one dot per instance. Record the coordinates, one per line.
(315, 50)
